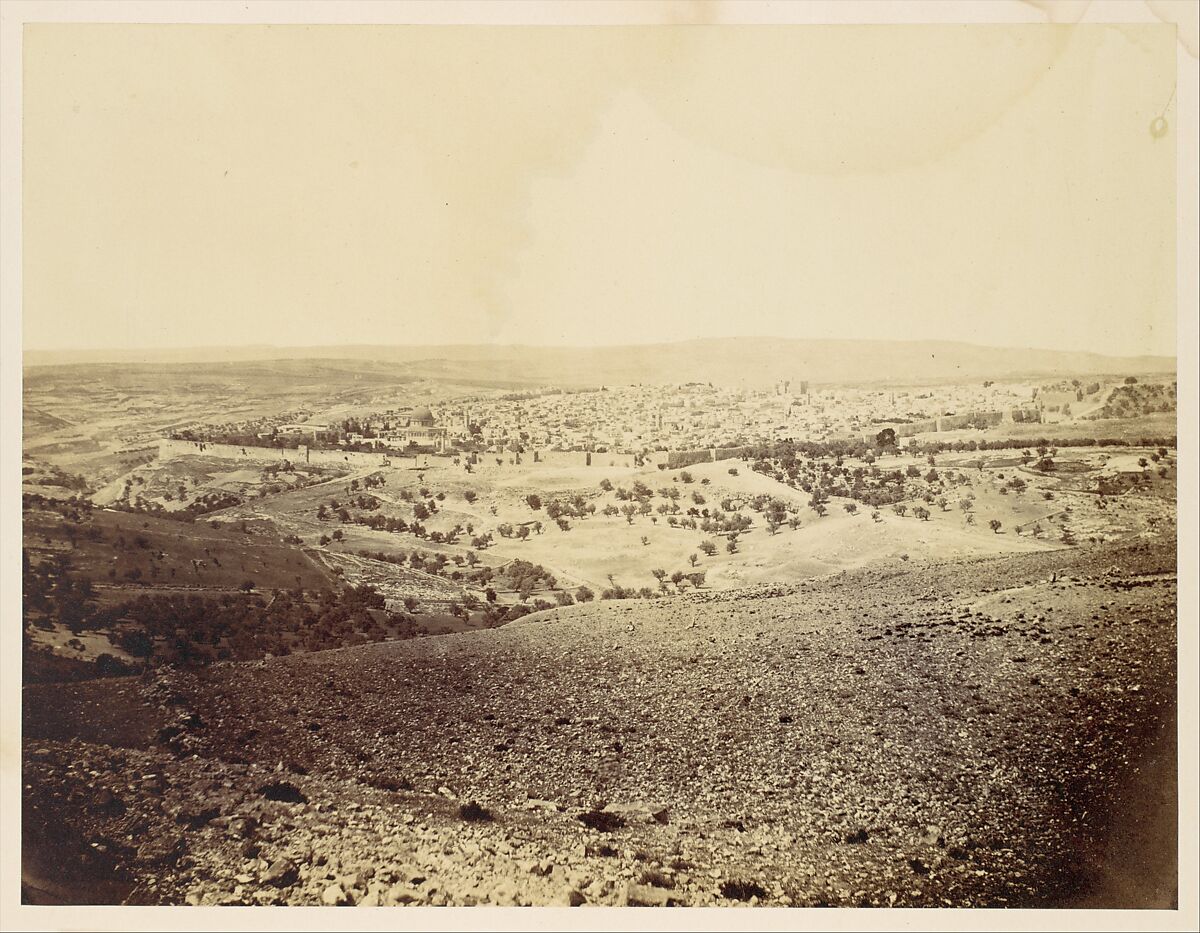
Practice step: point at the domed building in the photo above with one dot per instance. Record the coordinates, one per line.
(421, 431)
(421, 417)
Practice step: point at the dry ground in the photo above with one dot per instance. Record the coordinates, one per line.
(992, 731)
(599, 546)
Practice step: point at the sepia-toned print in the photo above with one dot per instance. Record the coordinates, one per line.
(673, 466)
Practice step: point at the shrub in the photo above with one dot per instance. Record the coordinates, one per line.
(600, 821)
(283, 791)
(742, 890)
(656, 879)
(473, 813)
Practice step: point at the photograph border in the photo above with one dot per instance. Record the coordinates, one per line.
(13, 15)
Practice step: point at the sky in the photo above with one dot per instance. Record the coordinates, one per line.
(322, 185)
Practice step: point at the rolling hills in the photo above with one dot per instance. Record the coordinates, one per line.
(729, 361)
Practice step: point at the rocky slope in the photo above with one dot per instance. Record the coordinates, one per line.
(986, 732)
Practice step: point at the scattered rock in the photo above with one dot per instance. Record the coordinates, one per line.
(638, 812)
(242, 827)
(335, 896)
(641, 895)
(281, 873)
(162, 850)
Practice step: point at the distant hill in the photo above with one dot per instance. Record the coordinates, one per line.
(752, 360)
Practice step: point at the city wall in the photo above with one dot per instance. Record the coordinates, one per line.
(988, 419)
(945, 423)
(168, 448)
(567, 458)
(917, 427)
(678, 459)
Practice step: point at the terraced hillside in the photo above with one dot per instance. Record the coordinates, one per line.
(994, 731)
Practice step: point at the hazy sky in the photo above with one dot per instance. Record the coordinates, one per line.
(201, 185)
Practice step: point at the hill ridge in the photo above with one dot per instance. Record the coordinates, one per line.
(753, 360)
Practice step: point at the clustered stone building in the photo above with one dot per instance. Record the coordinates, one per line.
(630, 419)
(635, 419)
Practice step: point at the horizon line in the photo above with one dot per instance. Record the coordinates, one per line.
(271, 347)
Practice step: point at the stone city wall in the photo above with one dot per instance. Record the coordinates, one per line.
(678, 459)
(168, 448)
(944, 423)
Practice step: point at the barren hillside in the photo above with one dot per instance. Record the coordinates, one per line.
(992, 731)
